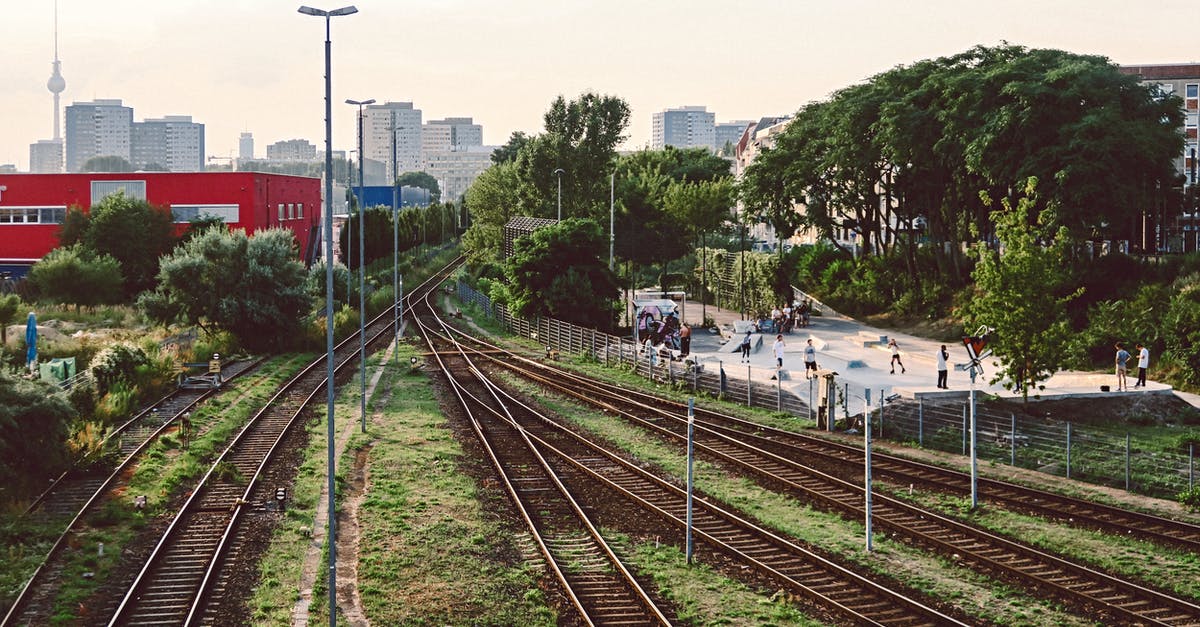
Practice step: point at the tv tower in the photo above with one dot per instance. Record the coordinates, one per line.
(57, 84)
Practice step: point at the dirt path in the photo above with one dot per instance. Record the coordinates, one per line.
(348, 598)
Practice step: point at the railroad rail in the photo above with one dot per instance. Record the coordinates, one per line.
(585, 465)
(774, 463)
(599, 587)
(76, 492)
(182, 579)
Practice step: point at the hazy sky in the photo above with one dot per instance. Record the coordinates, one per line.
(258, 65)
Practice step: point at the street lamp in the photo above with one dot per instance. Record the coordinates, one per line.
(398, 305)
(331, 536)
(362, 268)
(559, 172)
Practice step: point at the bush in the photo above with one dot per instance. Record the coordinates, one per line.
(87, 448)
(1190, 499)
(118, 404)
(116, 364)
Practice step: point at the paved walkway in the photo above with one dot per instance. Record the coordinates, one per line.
(859, 355)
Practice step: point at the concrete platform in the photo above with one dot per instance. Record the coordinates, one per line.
(858, 353)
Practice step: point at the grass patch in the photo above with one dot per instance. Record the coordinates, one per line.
(164, 470)
(429, 554)
(941, 578)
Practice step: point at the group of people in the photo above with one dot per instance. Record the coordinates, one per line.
(669, 332)
(784, 319)
(1122, 361)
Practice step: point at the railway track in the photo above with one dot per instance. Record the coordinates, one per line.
(598, 586)
(585, 467)
(184, 578)
(750, 450)
(76, 493)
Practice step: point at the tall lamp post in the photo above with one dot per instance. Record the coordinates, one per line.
(362, 268)
(398, 306)
(331, 538)
(559, 172)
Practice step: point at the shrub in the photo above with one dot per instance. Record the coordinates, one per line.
(116, 363)
(1190, 499)
(118, 403)
(87, 448)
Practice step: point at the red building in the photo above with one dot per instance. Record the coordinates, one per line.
(32, 206)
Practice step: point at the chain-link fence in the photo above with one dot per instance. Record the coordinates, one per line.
(1054, 447)
(707, 376)
(1064, 449)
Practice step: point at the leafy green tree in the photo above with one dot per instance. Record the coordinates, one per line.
(1022, 292)
(34, 419)
(377, 237)
(1182, 328)
(77, 275)
(580, 138)
(107, 163)
(491, 201)
(556, 271)
(198, 225)
(508, 152)
(9, 305)
(424, 180)
(134, 233)
(75, 225)
(250, 286)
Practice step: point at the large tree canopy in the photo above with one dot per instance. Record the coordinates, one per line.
(912, 147)
(134, 233)
(580, 138)
(556, 271)
(33, 426)
(251, 286)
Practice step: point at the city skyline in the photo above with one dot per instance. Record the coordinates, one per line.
(257, 66)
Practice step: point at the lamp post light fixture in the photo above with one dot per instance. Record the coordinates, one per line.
(559, 172)
(398, 305)
(329, 388)
(362, 268)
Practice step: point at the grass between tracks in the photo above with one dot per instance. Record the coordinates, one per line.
(974, 593)
(428, 551)
(164, 468)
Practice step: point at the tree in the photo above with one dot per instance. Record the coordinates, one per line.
(424, 180)
(33, 429)
(9, 305)
(580, 138)
(78, 275)
(491, 201)
(250, 286)
(107, 163)
(556, 271)
(508, 152)
(74, 225)
(134, 233)
(1022, 292)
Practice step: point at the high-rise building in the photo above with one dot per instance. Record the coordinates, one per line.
(457, 168)
(380, 122)
(456, 131)
(97, 129)
(684, 127)
(173, 143)
(1183, 80)
(728, 134)
(292, 150)
(246, 147)
(46, 156)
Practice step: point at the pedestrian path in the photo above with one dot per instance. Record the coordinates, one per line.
(859, 355)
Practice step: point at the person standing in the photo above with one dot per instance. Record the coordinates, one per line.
(942, 356)
(778, 351)
(1122, 358)
(746, 348)
(685, 340)
(810, 360)
(896, 356)
(1143, 364)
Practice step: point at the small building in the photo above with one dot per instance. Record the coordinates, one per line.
(33, 206)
